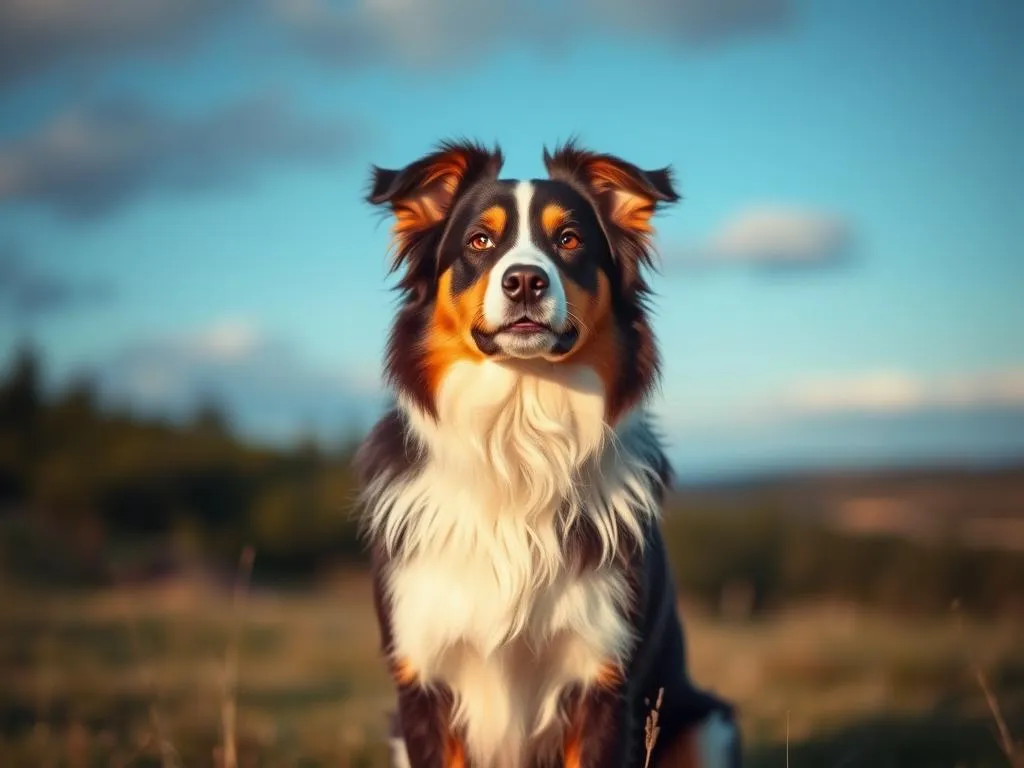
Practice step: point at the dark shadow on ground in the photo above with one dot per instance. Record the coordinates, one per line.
(945, 737)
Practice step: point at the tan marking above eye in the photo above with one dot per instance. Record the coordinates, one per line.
(494, 220)
(552, 217)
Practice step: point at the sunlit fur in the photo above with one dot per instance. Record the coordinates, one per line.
(476, 492)
(513, 458)
(528, 444)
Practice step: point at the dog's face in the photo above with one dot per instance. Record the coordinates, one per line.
(521, 270)
(524, 270)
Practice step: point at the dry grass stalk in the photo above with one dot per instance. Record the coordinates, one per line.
(142, 747)
(42, 732)
(787, 738)
(229, 707)
(168, 755)
(1006, 742)
(651, 728)
(77, 745)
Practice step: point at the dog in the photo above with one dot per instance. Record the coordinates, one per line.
(511, 496)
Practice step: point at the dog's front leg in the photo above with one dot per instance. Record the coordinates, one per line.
(600, 732)
(424, 716)
(422, 737)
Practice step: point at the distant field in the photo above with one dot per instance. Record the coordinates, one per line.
(978, 507)
(104, 679)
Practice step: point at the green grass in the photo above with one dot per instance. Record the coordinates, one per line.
(102, 679)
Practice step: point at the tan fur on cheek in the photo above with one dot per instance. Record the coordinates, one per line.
(599, 345)
(449, 336)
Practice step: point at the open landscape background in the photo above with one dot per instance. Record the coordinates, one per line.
(848, 614)
(194, 300)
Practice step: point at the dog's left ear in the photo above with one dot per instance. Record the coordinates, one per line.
(421, 195)
(626, 196)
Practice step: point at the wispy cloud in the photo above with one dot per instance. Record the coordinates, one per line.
(965, 437)
(896, 391)
(39, 35)
(879, 393)
(90, 160)
(699, 22)
(873, 418)
(772, 235)
(28, 292)
(266, 385)
(442, 32)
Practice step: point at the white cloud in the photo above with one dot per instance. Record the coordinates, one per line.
(774, 235)
(227, 340)
(36, 35)
(881, 393)
(262, 380)
(429, 32)
(692, 21)
(90, 159)
(894, 391)
(410, 32)
(999, 388)
(29, 292)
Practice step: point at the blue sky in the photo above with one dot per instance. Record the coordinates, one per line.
(181, 215)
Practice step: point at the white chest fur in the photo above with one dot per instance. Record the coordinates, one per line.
(507, 657)
(482, 596)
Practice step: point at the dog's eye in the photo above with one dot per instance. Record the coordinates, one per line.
(480, 242)
(569, 241)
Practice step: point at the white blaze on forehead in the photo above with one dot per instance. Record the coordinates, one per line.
(524, 251)
(524, 198)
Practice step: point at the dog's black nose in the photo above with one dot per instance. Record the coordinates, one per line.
(524, 282)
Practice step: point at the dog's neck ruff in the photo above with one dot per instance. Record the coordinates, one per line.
(482, 517)
(517, 454)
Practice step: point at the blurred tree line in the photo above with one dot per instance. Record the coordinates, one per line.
(89, 496)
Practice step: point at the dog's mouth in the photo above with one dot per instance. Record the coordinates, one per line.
(524, 338)
(525, 325)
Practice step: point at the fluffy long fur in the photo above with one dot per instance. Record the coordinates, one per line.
(511, 501)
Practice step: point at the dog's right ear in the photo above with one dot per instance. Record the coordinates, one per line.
(421, 195)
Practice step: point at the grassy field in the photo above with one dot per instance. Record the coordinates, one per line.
(143, 676)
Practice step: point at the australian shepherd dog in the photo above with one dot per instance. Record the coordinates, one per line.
(511, 497)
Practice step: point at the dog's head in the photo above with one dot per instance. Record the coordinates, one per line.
(517, 271)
